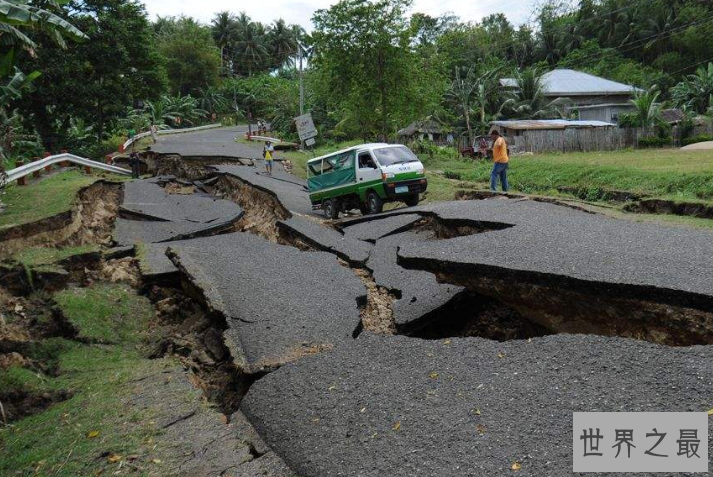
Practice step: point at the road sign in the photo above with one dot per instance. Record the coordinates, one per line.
(310, 142)
(305, 127)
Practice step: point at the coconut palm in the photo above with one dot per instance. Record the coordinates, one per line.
(282, 41)
(647, 110)
(528, 100)
(251, 49)
(223, 29)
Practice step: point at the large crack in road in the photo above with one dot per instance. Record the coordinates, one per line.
(296, 322)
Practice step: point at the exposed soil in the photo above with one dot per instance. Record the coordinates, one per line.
(90, 221)
(195, 335)
(377, 314)
(470, 314)
(16, 404)
(661, 206)
(179, 189)
(262, 209)
(560, 308)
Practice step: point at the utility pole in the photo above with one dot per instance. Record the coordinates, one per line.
(302, 87)
(302, 82)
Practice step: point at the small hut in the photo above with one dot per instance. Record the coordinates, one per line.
(429, 129)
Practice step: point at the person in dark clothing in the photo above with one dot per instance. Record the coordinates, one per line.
(135, 164)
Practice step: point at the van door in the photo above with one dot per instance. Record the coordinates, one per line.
(368, 173)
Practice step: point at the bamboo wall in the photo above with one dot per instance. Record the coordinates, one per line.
(575, 140)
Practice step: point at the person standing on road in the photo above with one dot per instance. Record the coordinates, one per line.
(500, 162)
(135, 164)
(269, 149)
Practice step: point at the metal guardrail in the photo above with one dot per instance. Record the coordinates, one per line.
(27, 169)
(166, 132)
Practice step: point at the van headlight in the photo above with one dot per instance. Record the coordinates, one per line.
(420, 172)
(388, 175)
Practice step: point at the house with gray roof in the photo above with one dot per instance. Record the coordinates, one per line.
(594, 98)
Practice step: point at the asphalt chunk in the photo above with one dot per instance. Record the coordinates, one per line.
(148, 200)
(280, 304)
(130, 232)
(419, 292)
(642, 281)
(219, 142)
(373, 230)
(325, 238)
(398, 406)
(294, 196)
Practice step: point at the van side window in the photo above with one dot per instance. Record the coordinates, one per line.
(366, 161)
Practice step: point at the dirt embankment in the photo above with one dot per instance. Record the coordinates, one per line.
(90, 221)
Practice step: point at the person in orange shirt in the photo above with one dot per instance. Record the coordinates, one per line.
(500, 159)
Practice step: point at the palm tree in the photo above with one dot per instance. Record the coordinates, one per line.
(223, 29)
(694, 93)
(250, 48)
(647, 113)
(529, 101)
(282, 40)
(461, 93)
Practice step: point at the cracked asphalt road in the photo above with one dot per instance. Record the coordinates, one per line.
(374, 405)
(400, 406)
(275, 311)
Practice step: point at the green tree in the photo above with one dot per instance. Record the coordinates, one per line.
(95, 80)
(367, 67)
(192, 57)
(695, 92)
(528, 100)
(647, 111)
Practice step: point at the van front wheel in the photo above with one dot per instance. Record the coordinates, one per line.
(376, 205)
(331, 208)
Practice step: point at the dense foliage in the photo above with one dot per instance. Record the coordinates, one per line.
(370, 67)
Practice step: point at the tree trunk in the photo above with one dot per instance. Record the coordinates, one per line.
(382, 92)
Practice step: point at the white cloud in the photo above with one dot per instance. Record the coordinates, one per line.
(300, 12)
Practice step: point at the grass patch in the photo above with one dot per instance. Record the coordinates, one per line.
(37, 256)
(50, 196)
(106, 313)
(75, 436)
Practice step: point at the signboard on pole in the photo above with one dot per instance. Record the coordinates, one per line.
(305, 127)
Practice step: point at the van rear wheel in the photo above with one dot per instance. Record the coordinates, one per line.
(374, 202)
(331, 208)
(412, 201)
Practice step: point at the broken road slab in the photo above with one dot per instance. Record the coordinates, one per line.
(419, 292)
(130, 232)
(293, 196)
(400, 406)
(378, 227)
(322, 237)
(276, 311)
(148, 200)
(547, 239)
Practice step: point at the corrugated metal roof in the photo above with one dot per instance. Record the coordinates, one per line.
(549, 124)
(605, 105)
(563, 82)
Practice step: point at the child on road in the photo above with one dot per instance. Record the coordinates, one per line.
(267, 153)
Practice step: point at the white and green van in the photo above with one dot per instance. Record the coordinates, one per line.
(365, 177)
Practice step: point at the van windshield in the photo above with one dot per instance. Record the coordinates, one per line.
(388, 156)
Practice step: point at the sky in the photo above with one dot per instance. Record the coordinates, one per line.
(300, 11)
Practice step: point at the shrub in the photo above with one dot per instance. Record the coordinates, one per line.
(698, 138)
(653, 142)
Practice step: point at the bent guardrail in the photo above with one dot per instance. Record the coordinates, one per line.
(32, 167)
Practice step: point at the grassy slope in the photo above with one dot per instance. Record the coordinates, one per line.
(60, 441)
(51, 196)
(665, 173)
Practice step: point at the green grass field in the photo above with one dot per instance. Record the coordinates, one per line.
(45, 198)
